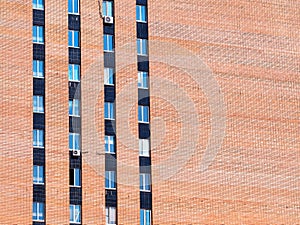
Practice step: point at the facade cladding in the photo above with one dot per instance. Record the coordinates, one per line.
(150, 112)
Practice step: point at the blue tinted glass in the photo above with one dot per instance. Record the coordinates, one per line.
(70, 107)
(70, 42)
(70, 72)
(76, 6)
(76, 38)
(77, 177)
(41, 34)
(34, 34)
(146, 114)
(76, 72)
(148, 217)
(70, 141)
(76, 141)
(138, 46)
(71, 213)
(142, 221)
(70, 6)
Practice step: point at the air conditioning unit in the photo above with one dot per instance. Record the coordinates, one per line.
(76, 152)
(108, 19)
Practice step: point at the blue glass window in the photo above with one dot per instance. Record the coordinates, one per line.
(38, 211)
(73, 38)
(38, 4)
(75, 177)
(108, 43)
(74, 107)
(142, 46)
(38, 174)
(107, 8)
(143, 114)
(110, 179)
(141, 14)
(38, 138)
(74, 72)
(109, 76)
(142, 79)
(74, 141)
(109, 110)
(38, 68)
(75, 214)
(145, 217)
(38, 34)
(73, 6)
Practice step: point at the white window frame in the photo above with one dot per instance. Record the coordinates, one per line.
(36, 65)
(74, 136)
(108, 75)
(142, 46)
(39, 177)
(73, 39)
(143, 214)
(110, 106)
(38, 138)
(38, 4)
(143, 109)
(141, 80)
(77, 180)
(139, 14)
(74, 105)
(109, 46)
(75, 210)
(72, 11)
(110, 176)
(71, 71)
(36, 30)
(39, 213)
(38, 104)
(111, 215)
(107, 8)
(109, 141)
(144, 147)
(145, 182)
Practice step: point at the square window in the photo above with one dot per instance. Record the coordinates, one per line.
(145, 182)
(75, 177)
(38, 174)
(107, 8)
(108, 76)
(38, 211)
(38, 4)
(74, 107)
(75, 214)
(74, 141)
(145, 217)
(144, 146)
(110, 179)
(38, 34)
(38, 68)
(74, 72)
(142, 46)
(38, 104)
(38, 138)
(143, 80)
(109, 144)
(141, 14)
(143, 114)
(108, 43)
(110, 213)
(73, 6)
(109, 110)
(73, 38)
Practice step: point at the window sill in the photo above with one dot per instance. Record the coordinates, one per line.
(39, 112)
(71, 13)
(143, 122)
(74, 186)
(139, 54)
(78, 47)
(141, 21)
(38, 183)
(77, 81)
(39, 43)
(145, 191)
(74, 116)
(71, 150)
(144, 88)
(112, 189)
(111, 51)
(42, 9)
(38, 220)
(38, 147)
(38, 77)
(112, 153)
(109, 84)
(109, 119)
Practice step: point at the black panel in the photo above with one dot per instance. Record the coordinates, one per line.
(109, 59)
(75, 161)
(141, 2)
(109, 93)
(38, 17)
(143, 63)
(74, 55)
(111, 198)
(38, 86)
(110, 127)
(74, 124)
(38, 52)
(75, 196)
(108, 29)
(142, 30)
(74, 22)
(38, 223)
(144, 130)
(39, 193)
(74, 90)
(110, 162)
(38, 157)
(145, 200)
(145, 165)
(38, 121)
(144, 97)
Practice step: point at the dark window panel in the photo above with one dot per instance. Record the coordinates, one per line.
(38, 17)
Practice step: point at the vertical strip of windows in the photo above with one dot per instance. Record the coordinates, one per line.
(74, 76)
(143, 112)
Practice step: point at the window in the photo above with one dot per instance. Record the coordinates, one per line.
(38, 34)
(38, 104)
(75, 177)
(109, 76)
(74, 72)
(109, 110)
(109, 144)
(38, 138)
(141, 13)
(38, 174)
(38, 211)
(145, 182)
(108, 43)
(38, 4)
(107, 8)
(38, 68)
(143, 80)
(143, 114)
(74, 141)
(144, 147)
(110, 178)
(73, 38)
(142, 46)
(74, 107)
(145, 217)
(110, 213)
(73, 6)
(75, 214)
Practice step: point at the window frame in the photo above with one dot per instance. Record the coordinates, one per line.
(145, 182)
(110, 180)
(72, 7)
(108, 43)
(109, 76)
(143, 80)
(37, 66)
(75, 210)
(37, 4)
(38, 104)
(75, 174)
(105, 9)
(110, 114)
(40, 209)
(109, 141)
(139, 13)
(36, 32)
(74, 106)
(143, 142)
(74, 137)
(108, 211)
(72, 71)
(141, 114)
(142, 46)
(38, 138)
(144, 214)
(72, 42)
(39, 178)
